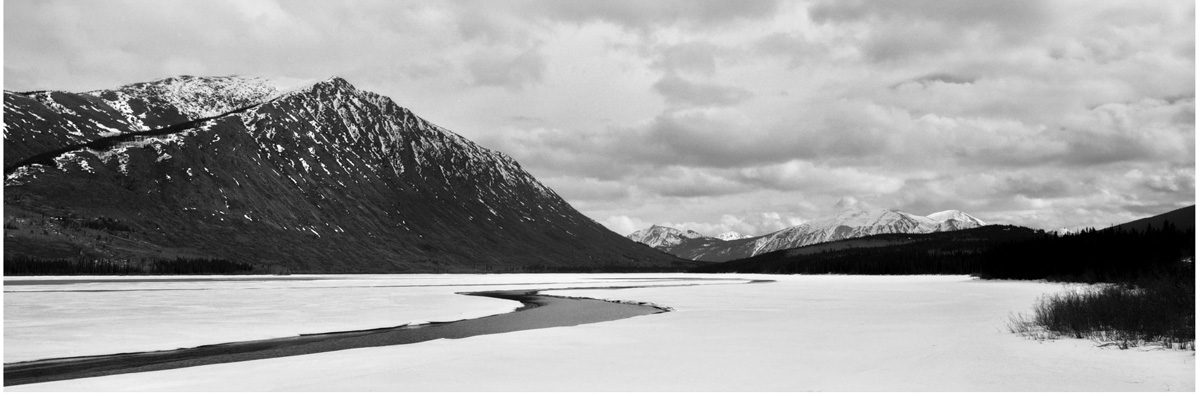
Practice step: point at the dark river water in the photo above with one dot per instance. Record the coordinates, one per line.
(538, 311)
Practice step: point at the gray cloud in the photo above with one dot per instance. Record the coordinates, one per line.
(695, 57)
(797, 49)
(931, 78)
(902, 30)
(514, 71)
(1036, 187)
(1150, 129)
(690, 182)
(1022, 15)
(678, 90)
(480, 24)
(647, 15)
(906, 41)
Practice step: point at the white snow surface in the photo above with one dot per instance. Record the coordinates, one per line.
(801, 333)
(62, 320)
(48, 321)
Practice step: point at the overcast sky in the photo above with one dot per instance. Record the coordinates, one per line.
(747, 116)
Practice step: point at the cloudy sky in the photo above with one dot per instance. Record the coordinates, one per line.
(717, 115)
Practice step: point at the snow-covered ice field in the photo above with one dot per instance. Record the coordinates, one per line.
(796, 334)
(114, 314)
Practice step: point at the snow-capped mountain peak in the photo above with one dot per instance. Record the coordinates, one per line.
(851, 223)
(865, 218)
(657, 236)
(956, 215)
(731, 235)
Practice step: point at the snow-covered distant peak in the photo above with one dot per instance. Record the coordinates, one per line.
(855, 220)
(895, 219)
(661, 236)
(858, 222)
(864, 218)
(956, 215)
(731, 235)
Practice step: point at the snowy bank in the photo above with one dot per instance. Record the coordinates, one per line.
(801, 333)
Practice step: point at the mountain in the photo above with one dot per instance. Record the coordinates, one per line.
(845, 225)
(950, 252)
(956, 219)
(322, 178)
(1182, 219)
(731, 235)
(661, 237)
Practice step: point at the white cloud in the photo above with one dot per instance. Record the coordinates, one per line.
(623, 225)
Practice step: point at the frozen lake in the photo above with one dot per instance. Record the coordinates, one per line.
(797, 333)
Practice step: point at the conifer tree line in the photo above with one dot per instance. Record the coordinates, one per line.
(20, 265)
(1109, 255)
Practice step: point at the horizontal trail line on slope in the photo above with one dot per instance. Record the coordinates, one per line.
(108, 142)
(537, 311)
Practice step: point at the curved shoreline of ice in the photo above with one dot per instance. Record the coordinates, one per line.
(538, 311)
(97, 315)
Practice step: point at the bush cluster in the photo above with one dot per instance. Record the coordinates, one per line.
(1155, 310)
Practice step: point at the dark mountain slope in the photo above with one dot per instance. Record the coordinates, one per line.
(327, 178)
(34, 126)
(1182, 218)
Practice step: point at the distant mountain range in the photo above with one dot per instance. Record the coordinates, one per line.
(1150, 245)
(951, 252)
(321, 178)
(844, 225)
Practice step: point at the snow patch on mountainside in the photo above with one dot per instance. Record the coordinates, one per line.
(120, 102)
(731, 236)
(657, 236)
(195, 97)
(47, 98)
(398, 132)
(956, 215)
